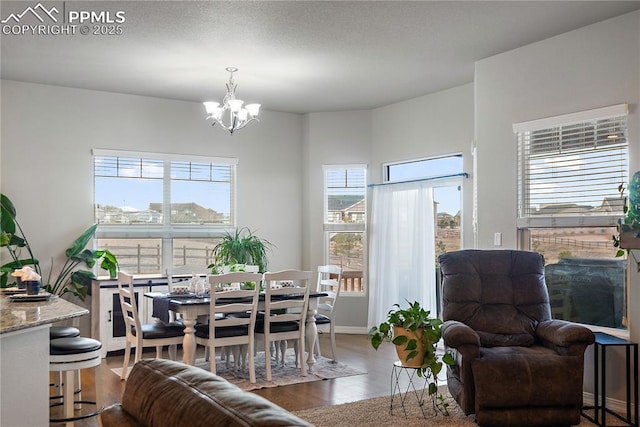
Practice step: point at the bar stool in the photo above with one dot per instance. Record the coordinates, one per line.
(68, 356)
(56, 332)
(62, 332)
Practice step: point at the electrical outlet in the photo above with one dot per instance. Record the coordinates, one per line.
(497, 239)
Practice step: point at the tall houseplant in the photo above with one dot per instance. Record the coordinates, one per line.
(71, 277)
(415, 335)
(241, 247)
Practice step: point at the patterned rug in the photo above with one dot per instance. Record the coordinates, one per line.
(323, 369)
(376, 412)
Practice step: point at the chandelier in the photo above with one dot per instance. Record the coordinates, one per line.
(231, 115)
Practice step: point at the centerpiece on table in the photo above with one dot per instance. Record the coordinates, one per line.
(238, 250)
(415, 335)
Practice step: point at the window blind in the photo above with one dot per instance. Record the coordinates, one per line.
(574, 168)
(345, 190)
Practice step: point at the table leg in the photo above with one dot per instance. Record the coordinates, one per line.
(311, 332)
(189, 341)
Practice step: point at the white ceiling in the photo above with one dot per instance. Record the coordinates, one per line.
(293, 56)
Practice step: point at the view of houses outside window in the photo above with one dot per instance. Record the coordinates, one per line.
(157, 211)
(569, 170)
(345, 223)
(445, 173)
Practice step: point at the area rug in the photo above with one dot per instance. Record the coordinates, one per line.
(375, 412)
(323, 369)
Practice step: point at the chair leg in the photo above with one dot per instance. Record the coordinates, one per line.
(77, 387)
(98, 387)
(243, 356)
(332, 331)
(316, 345)
(303, 365)
(125, 365)
(173, 352)
(158, 352)
(283, 351)
(212, 359)
(252, 361)
(68, 406)
(267, 361)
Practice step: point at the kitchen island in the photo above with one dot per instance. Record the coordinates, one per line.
(24, 358)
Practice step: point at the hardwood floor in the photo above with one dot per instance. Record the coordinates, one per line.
(353, 350)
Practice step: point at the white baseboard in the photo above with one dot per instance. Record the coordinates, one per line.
(615, 405)
(360, 330)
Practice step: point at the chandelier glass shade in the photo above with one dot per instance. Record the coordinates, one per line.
(231, 115)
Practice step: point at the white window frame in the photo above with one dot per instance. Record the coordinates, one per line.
(334, 227)
(168, 231)
(526, 223)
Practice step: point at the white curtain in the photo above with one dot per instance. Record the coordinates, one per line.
(402, 252)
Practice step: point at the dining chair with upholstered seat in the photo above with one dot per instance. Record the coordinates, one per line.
(157, 334)
(329, 279)
(285, 313)
(225, 330)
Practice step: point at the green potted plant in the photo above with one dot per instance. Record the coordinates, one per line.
(628, 236)
(71, 278)
(415, 335)
(241, 247)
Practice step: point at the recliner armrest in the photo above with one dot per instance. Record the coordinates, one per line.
(457, 334)
(562, 334)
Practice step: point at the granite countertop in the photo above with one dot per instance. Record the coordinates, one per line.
(15, 316)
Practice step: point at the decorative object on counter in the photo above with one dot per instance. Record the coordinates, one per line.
(628, 236)
(241, 247)
(415, 335)
(70, 278)
(29, 279)
(33, 287)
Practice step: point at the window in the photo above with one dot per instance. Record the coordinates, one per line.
(156, 211)
(345, 219)
(569, 170)
(446, 173)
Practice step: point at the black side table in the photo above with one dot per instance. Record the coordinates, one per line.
(411, 373)
(600, 411)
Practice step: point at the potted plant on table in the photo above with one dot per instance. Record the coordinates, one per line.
(415, 335)
(241, 247)
(628, 236)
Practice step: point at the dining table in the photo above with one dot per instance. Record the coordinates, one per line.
(190, 307)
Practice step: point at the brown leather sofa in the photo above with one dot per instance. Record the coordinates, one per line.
(515, 366)
(163, 393)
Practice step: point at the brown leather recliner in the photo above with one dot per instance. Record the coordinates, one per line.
(515, 366)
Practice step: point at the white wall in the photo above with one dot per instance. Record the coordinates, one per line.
(428, 126)
(332, 138)
(592, 67)
(48, 133)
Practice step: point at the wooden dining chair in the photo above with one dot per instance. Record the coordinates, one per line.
(285, 314)
(232, 319)
(139, 335)
(329, 282)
